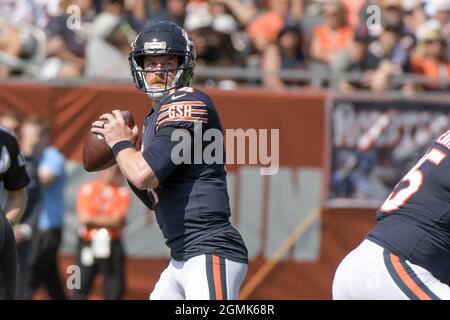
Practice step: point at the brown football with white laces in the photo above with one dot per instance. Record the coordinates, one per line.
(97, 155)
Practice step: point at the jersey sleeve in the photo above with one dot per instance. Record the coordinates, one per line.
(158, 153)
(144, 195)
(16, 177)
(183, 109)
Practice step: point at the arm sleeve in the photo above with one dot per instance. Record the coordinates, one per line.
(143, 195)
(158, 153)
(16, 176)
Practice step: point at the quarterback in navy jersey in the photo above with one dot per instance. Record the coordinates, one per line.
(407, 254)
(208, 255)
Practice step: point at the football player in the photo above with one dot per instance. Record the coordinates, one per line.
(407, 254)
(14, 180)
(208, 256)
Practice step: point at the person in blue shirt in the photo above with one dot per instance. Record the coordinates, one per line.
(43, 258)
(208, 255)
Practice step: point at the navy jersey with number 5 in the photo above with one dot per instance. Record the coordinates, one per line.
(414, 222)
(191, 202)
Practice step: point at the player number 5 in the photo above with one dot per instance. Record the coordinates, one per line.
(414, 178)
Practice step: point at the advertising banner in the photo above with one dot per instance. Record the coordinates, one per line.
(374, 142)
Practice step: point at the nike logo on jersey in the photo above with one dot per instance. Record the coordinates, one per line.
(176, 97)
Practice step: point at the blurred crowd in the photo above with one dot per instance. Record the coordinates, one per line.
(379, 44)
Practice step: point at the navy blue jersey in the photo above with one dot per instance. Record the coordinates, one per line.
(191, 202)
(414, 222)
(13, 174)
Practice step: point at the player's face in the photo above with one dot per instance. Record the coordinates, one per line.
(158, 77)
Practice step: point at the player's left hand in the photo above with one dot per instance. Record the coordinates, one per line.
(114, 129)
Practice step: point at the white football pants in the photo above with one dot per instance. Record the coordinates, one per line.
(204, 277)
(370, 272)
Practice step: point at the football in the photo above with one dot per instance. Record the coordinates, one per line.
(97, 155)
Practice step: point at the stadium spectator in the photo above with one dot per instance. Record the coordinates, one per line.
(443, 16)
(439, 10)
(43, 266)
(414, 15)
(16, 40)
(158, 10)
(198, 15)
(392, 12)
(66, 41)
(431, 60)
(333, 35)
(17, 11)
(10, 44)
(222, 20)
(137, 10)
(286, 54)
(215, 49)
(110, 36)
(357, 61)
(440, 16)
(240, 30)
(30, 135)
(386, 58)
(353, 10)
(176, 10)
(155, 10)
(264, 29)
(215, 36)
(102, 206)
(243, 10)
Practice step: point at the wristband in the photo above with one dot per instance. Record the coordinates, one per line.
(119, 146)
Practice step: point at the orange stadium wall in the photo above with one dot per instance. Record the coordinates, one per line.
(265, 208)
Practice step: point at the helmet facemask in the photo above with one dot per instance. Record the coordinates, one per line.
(182, 73)
(155, 92)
